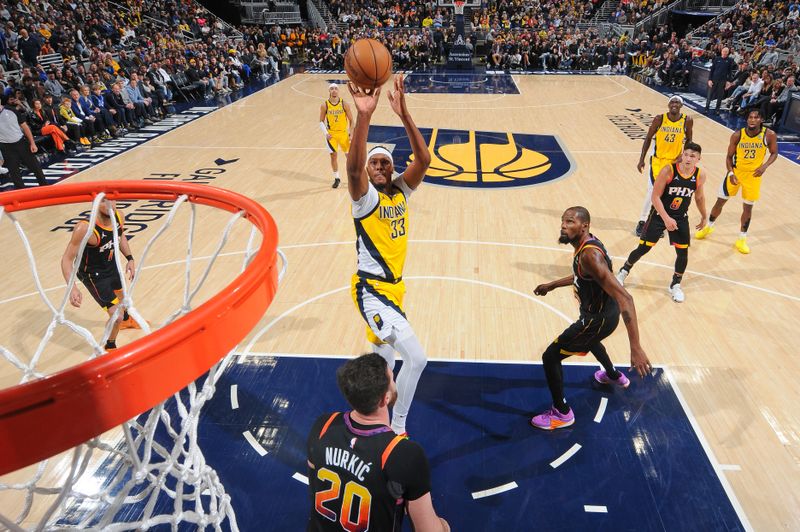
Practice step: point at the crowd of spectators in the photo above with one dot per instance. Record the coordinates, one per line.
(758, 23)
(118, 67)
(110, 68)
(506, 34)
(631, 12)
(764, 76)
(388, 14)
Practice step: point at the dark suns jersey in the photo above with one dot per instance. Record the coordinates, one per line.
(593, 299)
(362, 475)
(678, 192)
(99, 259)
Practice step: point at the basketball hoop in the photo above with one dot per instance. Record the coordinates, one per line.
(43, 417)
(458, 5)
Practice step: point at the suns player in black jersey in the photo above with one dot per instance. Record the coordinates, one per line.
(361, 475)
(672, 195)
(602, 300)
(97, 267)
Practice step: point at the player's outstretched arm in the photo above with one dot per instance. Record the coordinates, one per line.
(543, 289)
(731, 153)
(772, 146)
(424, 517)
(125, 248)
(648, 139)
(349, 114)
(365, 104)
(415, 172)
(593, 263)
(68, 260)
(322, 112)
(688, 128)
(700, 198)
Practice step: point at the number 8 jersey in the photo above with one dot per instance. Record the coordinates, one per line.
(363, 475)
(678, 192)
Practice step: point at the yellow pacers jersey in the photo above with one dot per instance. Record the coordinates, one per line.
(750, 151)
(381, 237)
(670, 137)
(335, 119)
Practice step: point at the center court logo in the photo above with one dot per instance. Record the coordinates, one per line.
(480, 159)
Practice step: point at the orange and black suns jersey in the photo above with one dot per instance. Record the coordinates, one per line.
(593, 299)
(677, 195)
(100, 258)
(362, 475)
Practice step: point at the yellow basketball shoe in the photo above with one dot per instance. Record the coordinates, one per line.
(704, 232)
(741, 246)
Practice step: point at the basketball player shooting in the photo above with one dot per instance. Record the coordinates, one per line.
(380, 211)
(97, 267)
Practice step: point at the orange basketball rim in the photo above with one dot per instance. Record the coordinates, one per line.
(44, 417)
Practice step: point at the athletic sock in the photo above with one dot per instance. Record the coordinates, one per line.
(563, 408)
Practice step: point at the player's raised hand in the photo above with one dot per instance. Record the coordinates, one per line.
(366, 101)
(640, 362)
(75, 297)
(397, 99)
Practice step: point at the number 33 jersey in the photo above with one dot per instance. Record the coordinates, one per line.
(381, 222)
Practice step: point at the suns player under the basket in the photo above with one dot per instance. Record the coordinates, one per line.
(746, 153)
(336, 123)
(361, 475)
(380, 211)
(671, 131)
(97, 267)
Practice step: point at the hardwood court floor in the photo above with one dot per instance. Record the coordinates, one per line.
(475, 256)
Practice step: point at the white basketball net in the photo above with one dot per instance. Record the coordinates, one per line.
(159, 475)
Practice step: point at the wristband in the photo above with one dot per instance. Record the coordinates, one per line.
(730, 173)
(323, 128)
(129, 257)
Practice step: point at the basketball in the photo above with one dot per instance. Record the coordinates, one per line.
(368, 63)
